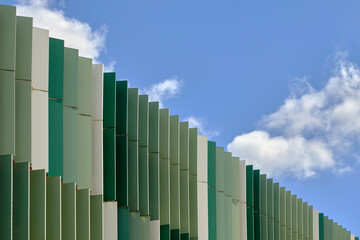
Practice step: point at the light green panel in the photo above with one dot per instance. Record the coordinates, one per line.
(228, 217)
(38, 205)
(175, 196)
(143, 121)
(276, 211)
(21, 196)
(227, 174)
(144, 227)
(71, 141)
(7, 37)
(305, 221)
(220, 215)
(53, 208)
(134, 225)
(7, 105)
(263, 207)
(311, 227)
(326, 228)
(220, 169)
(133, 175)
(6, 193)
(22, 121)
(184, 146)
(235, 221)
(144, 180)
(174, 140)
(133, 114)
(184, 202)
(164, 134)
(193, 201)
(289, 214)
(84, 152)
(330, 227)
(85, 86)
(270, 208)
(24, 31)
(154, 127)
(154, 186)
(71, 74)
(164, 192)
(68, 210)
(83, 214)
(235, 171)
(96, 217)
(300, 218)
(193, 147)
(335, 231)
(294, 216)
(283, 213)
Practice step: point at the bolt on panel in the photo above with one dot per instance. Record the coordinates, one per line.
(53, 208)
(68, 210)
(305, 221)
(212, 190)
(24, 28)
(276, 188)
(270, 208)
(235, 193)
(295, 218)
(85, 86)
(257, 205)
(263, 207)
(300, 218)
(311, 223)
(71, 77)
(40, 59)
(38, 204)
(193, 198)
(6, 193)
(228, 194)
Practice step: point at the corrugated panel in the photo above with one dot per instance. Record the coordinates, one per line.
(164, 134)
(135, 225)
(122, 170)
(109, 164)
(250, 202)
(56, 68)
(110, 221)
(23, 47)
(53, 208)
(7, 37)
(97, 91)
(71, 74)
(22, 121)
(154, 186)
(155, 230)
(193, 201)
(6, 195)
(316, 225)
(85, 86)
(83, 214)
(7, 110)
(123, 223)
(184, 146)
(144, 227)
(21, 194)
(193, 148)
(40, 59)
(121, 107)
(133, 114)
(228, 217)
(97, 158)
(96, 217)
(70, 162)
(220, 169)
(56, 137)
(84, 152)
(68, 211)
(270, 208)
(38, 204)
(109, 106)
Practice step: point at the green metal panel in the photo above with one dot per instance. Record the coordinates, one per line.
(184, 202)
(330, 229)
(109, 113)
(335, 232)
(38, 204)
(263, 207)
(56, 68)
(68, 210)
(143, 121)
(175, 177)
(83, 214)
(283, 214)
(276, 211)
(305, 221)
(53, 208)
(212, 213)
(24, 31)
(250, 202)
(96, 217)
(321, 226)
(174, 140)
(165, 232)
(134, 225)
(7, 103)
(7, 37)
(21, 195)
(184, 146)
(270, 208)
(193, 191)
(70, 160)
(257, 205)
(235, 193)
(122, 170)
(164, 134)
(84, 152)
(71, 75)
(56, 127)
(23, 121)
(133, 114)
(144, 227)
(123, 223)
(109, 164)
(294, 216)
(154, 127)
(85, 86)
(6, 193)
(311, 222)
(220, 214)
(193, 147)
(300, 218)
(326, 227)
(227, 158)
(154, 186)
(211, 164)
(288, 215)
(220, 169)
(121, 108)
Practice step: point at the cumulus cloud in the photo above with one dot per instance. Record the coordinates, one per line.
(310, 130)
(200, 123)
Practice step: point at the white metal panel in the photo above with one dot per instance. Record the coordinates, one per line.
(155, 230)
(352, 237)
(97, 158)
(97, 91)
(316, 225)
(110, 221)
(202, 158)
(242, 185)
(202, 205)
(40, 130)
(40, 59)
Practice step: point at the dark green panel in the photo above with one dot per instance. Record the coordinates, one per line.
(71, 62)
(53, 208)
(133, 176)
(21, 191)
(7, 110)
(97, 217)
(84, 152)
(68, 210)
(123, 223)
(250, 202)
(24, 30)
(321, 226)
(7, 37)
(56, 136)
(85, 86)
(56, 68)
(164, 191)
(83, 214)
(185, 236)
(154, 127)
(122, 170)
(109, 100)
(193, 147)
(109, 164)
(6, 193)
(175, 196)
(154, 186)
(133, 114)
(212, 213)
(143, 121)
(250, 223)
(175, 234)
(135, 225)
(211, 164)
(121, 107)
(277, 211)
(193, 207)
(70, 160)
(144, 180)
(165, 232)
(38, 204)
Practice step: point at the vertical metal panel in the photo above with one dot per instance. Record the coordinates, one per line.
(321, 226)
(220, 200)
(85, 86)
(184, 178)
(110, 221)
(257, 205)
(228, 194)
(97, 217)
(6, 193)
(289, 213)
(40, 59)
(71, 141)
(23, 47)
(109, 164)
(305, 221)
(23, 121)
(21, 196)
(144, 227)
(53, 208)
(335, 231)
(109, 107)
(121, 107)
(326, 227)
(175, 177)
(71, 77)
(123, 223)
(134, 225)
(97, 158)
(56, 68)
(235, 198)
(263, 207)
(84, 152)
(243, 207)
(270, 208)
(193, 148)
(283, 214)
(83, 214)
(300, 218)
(250, 202)
(212, 213)
(38, 204)
(68, 211)
(212, 190)
(316, 225)
(7, 110)
(311, 222)
(276, 211)
(98, 91)
(155, 230)
(56, 143)
(7, 37)
(294, 217)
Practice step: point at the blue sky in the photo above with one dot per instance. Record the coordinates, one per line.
(275, 81)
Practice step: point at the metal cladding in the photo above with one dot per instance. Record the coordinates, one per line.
(82, 156)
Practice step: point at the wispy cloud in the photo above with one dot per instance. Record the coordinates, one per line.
(313, 130)
(200, 124)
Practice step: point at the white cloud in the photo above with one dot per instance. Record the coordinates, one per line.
(199, 123)
(110, 67)
(77, 34)
(309, 131)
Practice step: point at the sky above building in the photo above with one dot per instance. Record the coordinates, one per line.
(275, 82)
